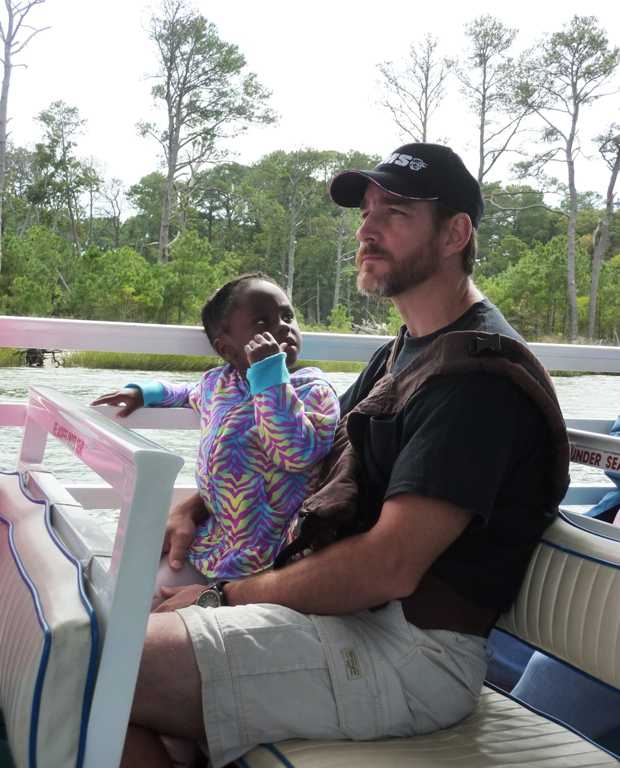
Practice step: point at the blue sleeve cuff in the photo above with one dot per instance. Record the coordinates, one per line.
(268, 373)
(152, 392)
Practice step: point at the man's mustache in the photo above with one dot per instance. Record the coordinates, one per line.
(372, 249)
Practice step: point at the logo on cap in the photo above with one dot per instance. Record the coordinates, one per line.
(414, 163)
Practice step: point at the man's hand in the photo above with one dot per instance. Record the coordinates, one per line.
(262, 346)
(130, 397)
(179, 597)
(183, 520)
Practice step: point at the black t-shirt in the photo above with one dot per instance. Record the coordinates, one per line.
(474, 440)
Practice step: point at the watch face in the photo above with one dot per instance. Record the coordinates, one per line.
(210, 598)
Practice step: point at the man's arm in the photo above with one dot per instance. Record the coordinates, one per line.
(359, 572)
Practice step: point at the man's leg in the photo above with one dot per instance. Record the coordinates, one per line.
(168, 697)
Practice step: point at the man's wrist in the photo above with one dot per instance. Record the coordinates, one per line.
(213, 595)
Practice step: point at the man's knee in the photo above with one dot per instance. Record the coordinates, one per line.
(168, 697)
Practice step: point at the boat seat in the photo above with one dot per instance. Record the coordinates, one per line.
(48, 635)
(66, 699)
(568, 608)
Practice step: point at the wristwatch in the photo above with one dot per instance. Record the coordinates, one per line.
(212, 596)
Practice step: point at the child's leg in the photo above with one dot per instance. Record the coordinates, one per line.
(166, 577)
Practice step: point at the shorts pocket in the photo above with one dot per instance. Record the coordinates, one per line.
(353, 677)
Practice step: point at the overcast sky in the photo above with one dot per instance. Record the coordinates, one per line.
(319, 60)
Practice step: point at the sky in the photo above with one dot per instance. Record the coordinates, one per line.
(319, 60)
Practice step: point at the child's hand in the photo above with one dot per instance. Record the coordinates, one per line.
(130, 397)
(262, 346)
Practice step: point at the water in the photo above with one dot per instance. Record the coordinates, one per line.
(580, 396)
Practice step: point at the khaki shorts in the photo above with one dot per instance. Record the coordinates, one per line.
(270, 673)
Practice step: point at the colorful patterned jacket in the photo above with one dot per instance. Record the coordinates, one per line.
(260, 452)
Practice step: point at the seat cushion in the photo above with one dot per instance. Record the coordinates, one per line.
(48, 635)
(499, 732)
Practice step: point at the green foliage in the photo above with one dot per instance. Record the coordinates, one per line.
(608, 305)
(190, 277)
(394, 320)
(116, 285)
(129, 361)
(339, 321)
(31, 280)
(532, 293)
(10, 358)
(508, 253)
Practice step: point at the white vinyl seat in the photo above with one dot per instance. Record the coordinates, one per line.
(48, 634)
(568, 608)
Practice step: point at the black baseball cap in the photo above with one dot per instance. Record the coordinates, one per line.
(416, 172)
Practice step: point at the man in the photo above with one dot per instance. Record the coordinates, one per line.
(450, 485)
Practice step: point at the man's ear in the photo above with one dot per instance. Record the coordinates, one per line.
(457, 233)
(224, 349)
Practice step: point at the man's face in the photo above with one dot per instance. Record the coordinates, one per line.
(399, 243)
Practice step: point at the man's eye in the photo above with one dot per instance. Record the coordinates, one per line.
(261, 321)
(288, 317)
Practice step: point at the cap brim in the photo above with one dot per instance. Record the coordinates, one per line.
(349, 187)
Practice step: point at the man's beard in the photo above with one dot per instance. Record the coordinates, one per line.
(421, 264)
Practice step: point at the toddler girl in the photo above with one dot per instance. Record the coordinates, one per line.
(263, 430)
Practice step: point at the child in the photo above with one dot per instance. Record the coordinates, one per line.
(263, 430)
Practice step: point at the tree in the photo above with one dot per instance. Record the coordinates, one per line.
(411, 95)
(486, 81)
(289, 187)
(609, 147)
(93, 171)
(208, 98)
(10, 34)
(558, 77)
(140, 231)
(67, 177)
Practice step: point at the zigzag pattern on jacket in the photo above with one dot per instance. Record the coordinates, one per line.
(259, 458)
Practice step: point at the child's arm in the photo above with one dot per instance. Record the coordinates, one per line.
(296, 423)
(156, 394)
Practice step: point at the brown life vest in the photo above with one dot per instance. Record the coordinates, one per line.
(333, 512)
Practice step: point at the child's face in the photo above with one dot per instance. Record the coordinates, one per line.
(261, 308)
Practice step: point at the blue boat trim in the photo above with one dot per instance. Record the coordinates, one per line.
(94, 630)
(276, 752)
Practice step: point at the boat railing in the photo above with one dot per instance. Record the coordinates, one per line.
(52, 333)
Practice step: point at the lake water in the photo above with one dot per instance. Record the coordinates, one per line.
(580, 396)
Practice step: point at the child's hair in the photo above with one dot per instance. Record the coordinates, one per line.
(218, 308)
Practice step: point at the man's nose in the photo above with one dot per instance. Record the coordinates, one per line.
(368, 229)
